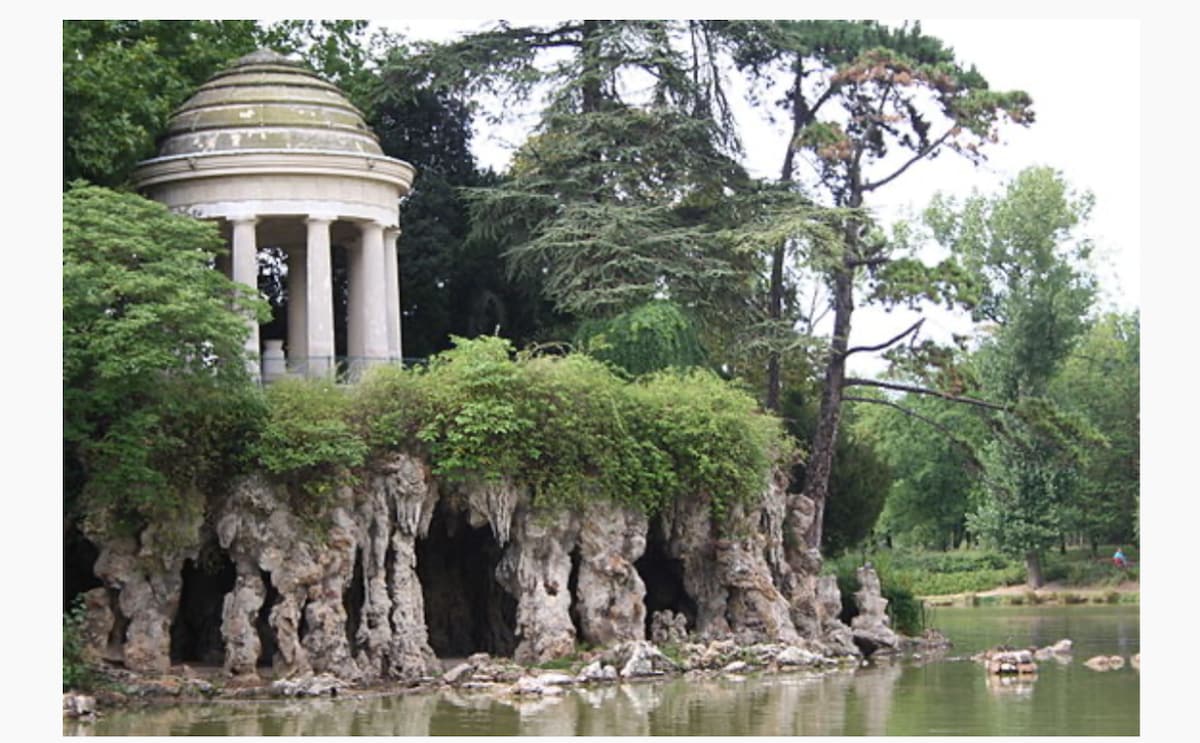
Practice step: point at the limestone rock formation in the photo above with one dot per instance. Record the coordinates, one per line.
(338, 595)
(870, 626)
(667, 627)
(146, 573)
(536, 568)
(609, 600)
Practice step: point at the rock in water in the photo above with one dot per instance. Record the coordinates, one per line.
(870, 626)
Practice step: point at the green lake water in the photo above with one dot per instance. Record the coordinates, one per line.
(938, 697)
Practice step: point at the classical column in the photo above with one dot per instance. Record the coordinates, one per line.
(245, 272)
(391, 278)
(355, 305)
(373, 295)
(297, 340)
(319, 294)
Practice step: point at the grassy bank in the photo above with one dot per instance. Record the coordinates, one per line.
(981, 577)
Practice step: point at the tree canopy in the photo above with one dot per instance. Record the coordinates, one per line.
(154, 373)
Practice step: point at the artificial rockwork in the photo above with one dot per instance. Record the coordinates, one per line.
(400, 564)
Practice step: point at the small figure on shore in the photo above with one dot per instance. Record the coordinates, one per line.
(1119, 559)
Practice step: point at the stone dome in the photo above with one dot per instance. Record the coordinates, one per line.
(265, 101)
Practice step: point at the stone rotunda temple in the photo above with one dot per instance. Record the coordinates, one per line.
(284, 160)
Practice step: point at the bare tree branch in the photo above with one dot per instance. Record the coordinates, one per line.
(924, 419)
(858, 382)
(869, 262)
(895, 339)
(915, 159)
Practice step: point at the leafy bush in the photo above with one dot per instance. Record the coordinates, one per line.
(718, 441)
(76, 673)
(941, 573)
(156, 399)
(308, 440)
(652, 337)
(571, 430)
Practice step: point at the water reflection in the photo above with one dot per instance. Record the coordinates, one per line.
(948, 697)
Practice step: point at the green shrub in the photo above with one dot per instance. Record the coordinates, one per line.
(76, 673)
(308, 441)
(649, 338)
(571, 430)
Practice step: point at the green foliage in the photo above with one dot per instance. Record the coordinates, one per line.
(715, 436)
(1036, 292)
(858, 484)
(156, 399)
(1082, 567)
(648, 338)
(121, 79)
(935, 474)
(572, 430)
(621, 194)
(1100, 380)
(928, 573)
(307, 440)
(76, 674)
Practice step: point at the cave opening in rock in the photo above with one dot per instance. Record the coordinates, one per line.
(353, 599)
(573, 591)
(466, 609)
(663, 576)
(266, 635)
(79, 557)
(196, 629)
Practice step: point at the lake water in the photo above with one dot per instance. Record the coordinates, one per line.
(943, 697)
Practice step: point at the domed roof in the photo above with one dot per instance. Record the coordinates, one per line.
(265, 101)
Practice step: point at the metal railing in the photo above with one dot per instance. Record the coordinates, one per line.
(343, 369)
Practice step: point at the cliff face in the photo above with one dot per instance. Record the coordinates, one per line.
(402, 572)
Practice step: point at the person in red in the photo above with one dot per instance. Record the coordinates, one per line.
(1119, 559)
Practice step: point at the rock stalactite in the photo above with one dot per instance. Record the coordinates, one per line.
(343, 595)
(609, 594)
(536, 569)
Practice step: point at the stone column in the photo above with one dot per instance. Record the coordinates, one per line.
(319, 295)
(355, 306)
(245, 272)
(373, 315)
(297, 340)
(391, 278)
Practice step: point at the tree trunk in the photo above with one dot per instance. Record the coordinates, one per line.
(775, 312)
(590, 53)
(1033, 570)
(800, 119)
(820, 462)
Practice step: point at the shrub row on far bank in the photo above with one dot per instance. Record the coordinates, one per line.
(567, 427)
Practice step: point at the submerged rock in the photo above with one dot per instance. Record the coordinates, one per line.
(1105, 663)
(794, 656)
(1059, 650)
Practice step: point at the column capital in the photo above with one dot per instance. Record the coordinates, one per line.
(391, 234)
(311, 218)
(243, 218)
